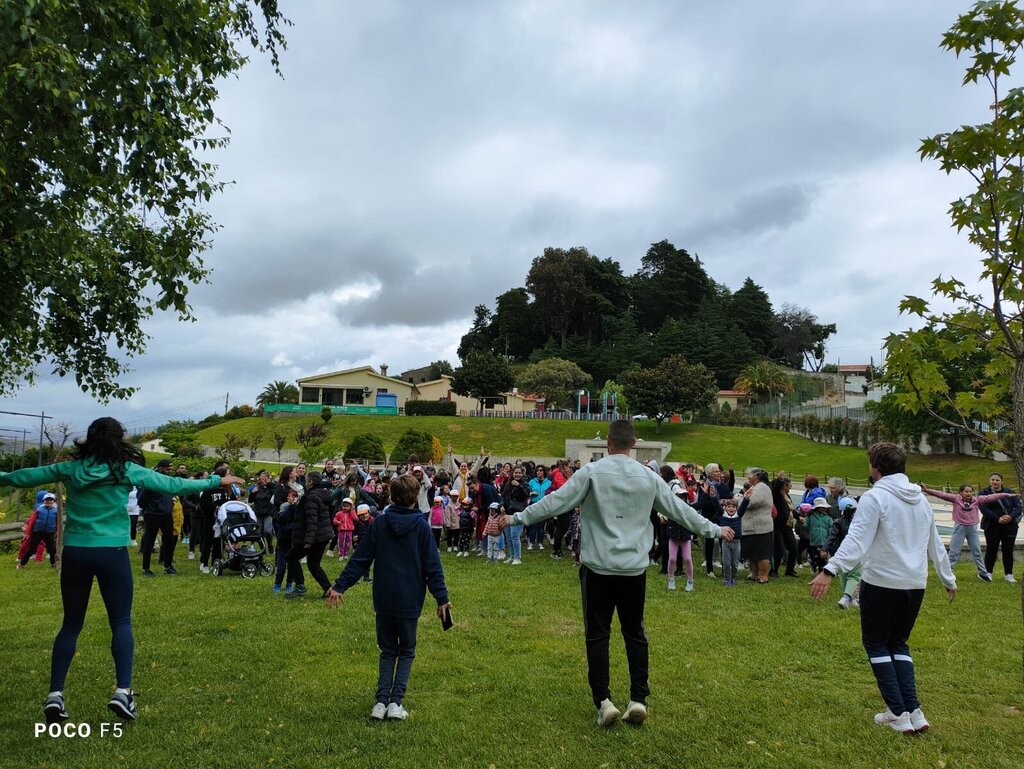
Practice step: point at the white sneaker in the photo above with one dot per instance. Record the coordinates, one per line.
(900, 723)
(449, 549)
(671, 583)
(397, 713)
(191, 555)
(135, 543)
(636, 713)
(607, 713)
(529, 546)
(540, 546)
(1009, 578)
(516, 562)
(845, 602)
(204, 569)
(378, 712)
(919, 722)
(689, 586)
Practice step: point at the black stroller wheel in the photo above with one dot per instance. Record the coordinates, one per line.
(217, 567)
(266, 569)
(249, 570)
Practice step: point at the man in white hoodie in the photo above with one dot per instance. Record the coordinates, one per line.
(615, 495)
(893, 535)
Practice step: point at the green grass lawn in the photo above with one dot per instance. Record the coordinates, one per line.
(231, 675)
(740, 446)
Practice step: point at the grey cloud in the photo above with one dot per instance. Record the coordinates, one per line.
(771, 209)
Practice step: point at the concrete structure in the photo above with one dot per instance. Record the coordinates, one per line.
(733, 397)
(595, 448)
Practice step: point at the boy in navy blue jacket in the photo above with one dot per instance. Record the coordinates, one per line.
(401, 547)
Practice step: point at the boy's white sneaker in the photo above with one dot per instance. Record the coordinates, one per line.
(671, 583)
(607, 713)
(396, 712)
(636, 713)
(918, 721)
(1009, 578)
(689, 586)
(378, 712)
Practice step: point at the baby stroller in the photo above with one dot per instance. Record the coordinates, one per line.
(241, 541)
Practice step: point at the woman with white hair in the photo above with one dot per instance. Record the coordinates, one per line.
(757, 540)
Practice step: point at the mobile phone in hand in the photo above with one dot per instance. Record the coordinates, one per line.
(446, 620)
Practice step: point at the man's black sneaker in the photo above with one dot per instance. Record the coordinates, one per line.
(123, 705)
(54, 709)
(170, 570)
(148, 573)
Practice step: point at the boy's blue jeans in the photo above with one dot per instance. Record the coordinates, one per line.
(396, 637)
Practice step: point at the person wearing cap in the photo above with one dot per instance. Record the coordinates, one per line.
(894, 536)
(43, 530)
(616, 495)
(467, 525)
(157, 508)
(850, 580)
(451, 519)
(819, 523)
(495, 543)
(345, 524)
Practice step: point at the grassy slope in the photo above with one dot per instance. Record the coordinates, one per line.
(231, 675)
(740, 446)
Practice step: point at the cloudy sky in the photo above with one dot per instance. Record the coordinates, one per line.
(416, 156)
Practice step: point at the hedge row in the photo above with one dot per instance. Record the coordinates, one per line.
(430, 408)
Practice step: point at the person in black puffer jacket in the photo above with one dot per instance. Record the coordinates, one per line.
(314, 531)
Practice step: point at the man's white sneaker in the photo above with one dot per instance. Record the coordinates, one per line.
(396, 712)
(636, 713)
(671, 584)
(918, 721)
(1009, 578)
(379, 711)
(845, 602)
(204, 569)
(516, 562)
(900, 723)
(607, 713)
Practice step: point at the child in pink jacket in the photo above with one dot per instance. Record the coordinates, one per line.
(965, 523)
(345, 524)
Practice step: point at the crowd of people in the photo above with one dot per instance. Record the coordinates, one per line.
(616, 518)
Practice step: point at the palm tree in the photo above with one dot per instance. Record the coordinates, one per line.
(763, 380)
(278, 392)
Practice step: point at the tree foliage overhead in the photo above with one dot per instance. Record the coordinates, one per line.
(670, 284)
(106, 119)
(987, 307)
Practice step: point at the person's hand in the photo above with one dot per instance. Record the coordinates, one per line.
(823, 554)
(227, 480)
(820, 585)
(951, 592)
(923, 487)
(728, 535)
(1004, 519)
(481, 451)
(306, 547)
(515, 482)
(442, 609)
(334, 598)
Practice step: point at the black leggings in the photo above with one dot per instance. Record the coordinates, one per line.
(111, 568)
(561, 528)
(153, 524)
(785, 544)
(451, 537)
(313, 557)
(135, 526)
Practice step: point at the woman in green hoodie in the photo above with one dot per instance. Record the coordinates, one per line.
(96, 537)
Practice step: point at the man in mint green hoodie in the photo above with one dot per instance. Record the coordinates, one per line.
(616, 495)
